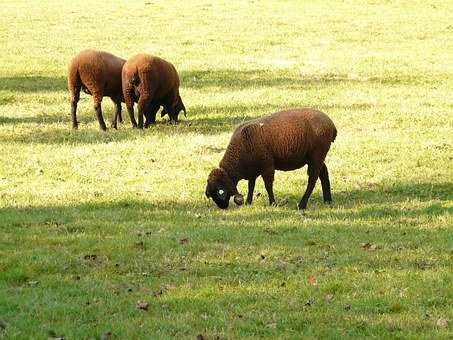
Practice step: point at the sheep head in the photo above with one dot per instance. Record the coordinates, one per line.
(176, 108)
(220, 188)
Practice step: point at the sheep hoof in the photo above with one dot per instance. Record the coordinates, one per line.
(301, 206)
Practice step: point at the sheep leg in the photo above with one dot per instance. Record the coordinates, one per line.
(268, 178)
(98, 110)
(117, 114)
(150, 115)
(129, 105)
(74, 100)
(313, 174)
(143, 103)
(325, 183)
(118, 110)
(251, 189)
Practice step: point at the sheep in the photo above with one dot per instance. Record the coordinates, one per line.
(97, 73)
(151, 82)
(285, 140)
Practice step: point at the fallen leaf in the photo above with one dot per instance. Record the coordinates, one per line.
(184, 241)
(309, 302)
(347, 307)
(282, 202)
(91, 257)
(283, 284)
(369, 246)
(312, 280)
(143, 305)
(53, 336)
(442, 323)
(329, 298)
(158, 293)
(140, 245)
(106, 336)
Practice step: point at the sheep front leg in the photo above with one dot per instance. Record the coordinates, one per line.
(313, 174)
(250, 191)
(150, 115)
(268, 178)
(325, 183)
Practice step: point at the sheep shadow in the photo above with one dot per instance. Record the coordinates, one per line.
(279, 78)
(26, 84)
(206, 120)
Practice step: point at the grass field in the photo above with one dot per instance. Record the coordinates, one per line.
(91, 223)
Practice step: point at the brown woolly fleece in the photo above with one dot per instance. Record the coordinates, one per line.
(151, 82)
(97, 73)
(285, 140)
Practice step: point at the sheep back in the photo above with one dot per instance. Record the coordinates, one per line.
(285, 140)
(98, 72)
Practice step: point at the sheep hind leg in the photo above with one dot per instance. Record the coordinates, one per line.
(117, 114)
(268, 178)
(74, 100)
(98, 110)
(325, 183)
(142, 105)
(250, 191)
(313, 174)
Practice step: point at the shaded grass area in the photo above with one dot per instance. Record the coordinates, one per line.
(91, 223)
(187, 259)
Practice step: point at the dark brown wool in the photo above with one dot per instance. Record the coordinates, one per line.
(97, 73)
(285, 141)
(151, 82)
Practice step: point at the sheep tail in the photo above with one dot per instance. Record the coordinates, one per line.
(74, 81)
(334, 134)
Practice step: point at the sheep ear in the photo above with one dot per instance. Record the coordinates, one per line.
(238, 199)
(207, 193)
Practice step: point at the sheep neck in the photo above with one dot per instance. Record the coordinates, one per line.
(230, 164)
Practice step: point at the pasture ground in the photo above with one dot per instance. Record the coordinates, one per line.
(91, 222)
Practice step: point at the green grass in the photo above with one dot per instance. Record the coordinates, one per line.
(91, 222)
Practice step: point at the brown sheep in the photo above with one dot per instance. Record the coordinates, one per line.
(151, 82)
(97, 73)
(285, 140)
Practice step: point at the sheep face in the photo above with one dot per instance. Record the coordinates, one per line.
(220, 189)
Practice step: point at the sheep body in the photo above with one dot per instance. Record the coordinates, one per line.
(151, 82)
(97, 73)
(285, 140)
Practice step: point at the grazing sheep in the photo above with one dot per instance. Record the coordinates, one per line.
(151, 82)
(97, 73)
(285, 141)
